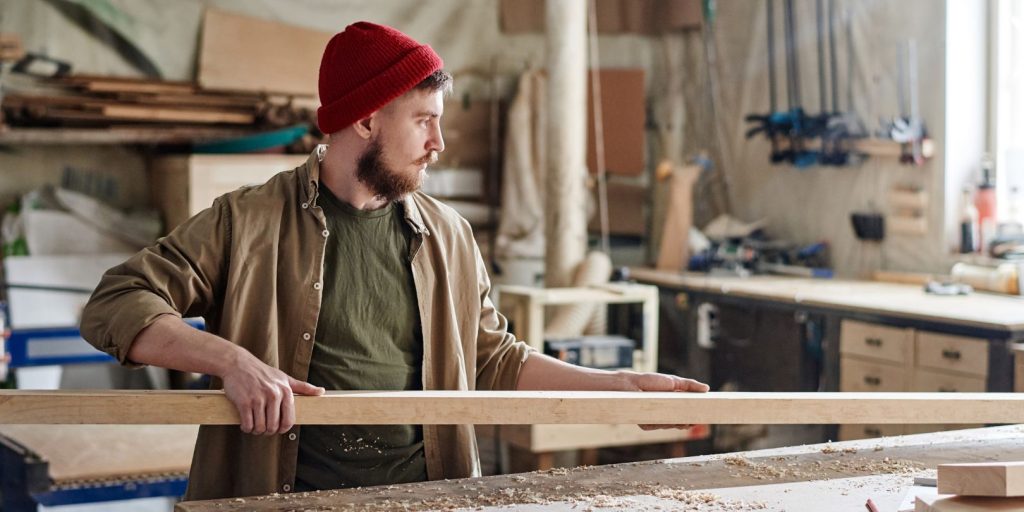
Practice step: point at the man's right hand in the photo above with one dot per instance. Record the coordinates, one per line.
(263, 395)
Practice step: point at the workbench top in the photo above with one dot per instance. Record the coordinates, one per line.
(833, 476)
(981, 310)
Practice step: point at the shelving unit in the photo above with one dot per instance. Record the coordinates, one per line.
(525, 306)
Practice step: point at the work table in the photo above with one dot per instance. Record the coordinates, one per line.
(990, 312)
(802, 478)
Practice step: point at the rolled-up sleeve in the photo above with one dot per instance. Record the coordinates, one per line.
(500, 356)
(179, 275)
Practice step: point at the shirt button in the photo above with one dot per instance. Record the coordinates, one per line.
(306, 336)
(317, 286)
(292, 436)
(286, 488)
(325, 233)
(305, 205)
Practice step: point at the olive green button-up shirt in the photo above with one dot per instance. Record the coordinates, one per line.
(252, 266)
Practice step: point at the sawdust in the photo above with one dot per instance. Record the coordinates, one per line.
(475, 497)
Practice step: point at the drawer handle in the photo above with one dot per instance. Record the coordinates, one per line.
(872, 381)
(872, 432)
(944, 389)
(873, 342)
(951, 354)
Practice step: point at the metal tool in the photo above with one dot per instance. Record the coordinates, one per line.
(908, 128)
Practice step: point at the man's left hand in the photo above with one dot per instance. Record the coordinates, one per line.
(661, 382)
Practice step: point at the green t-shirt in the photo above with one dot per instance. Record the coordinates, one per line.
(368, 337)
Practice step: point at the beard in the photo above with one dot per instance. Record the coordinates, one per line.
(384, 181)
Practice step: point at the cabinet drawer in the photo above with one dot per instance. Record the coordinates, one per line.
(850, 432)
(865, 375)
(955, 353)
(932, 381)
(876, 341)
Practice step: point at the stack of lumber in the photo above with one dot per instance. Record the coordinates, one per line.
(104, 101)
(976, 486)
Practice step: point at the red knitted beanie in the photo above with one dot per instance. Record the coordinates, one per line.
(365, 67)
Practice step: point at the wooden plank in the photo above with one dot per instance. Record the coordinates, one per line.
(77, 453)
(674, 254)
(946, 503)
(518, 407)
(118, 135)
(623, 121)
(176, 115)
(139, 87)
(1004, 479)
(251, 54)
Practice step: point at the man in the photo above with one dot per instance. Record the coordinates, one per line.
(335, 275)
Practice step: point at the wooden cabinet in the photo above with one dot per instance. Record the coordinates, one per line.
(187, 184)
(884, 358)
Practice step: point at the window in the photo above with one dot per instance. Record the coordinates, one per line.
(1009, 107)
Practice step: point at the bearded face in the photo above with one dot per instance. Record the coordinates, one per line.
(386, 182)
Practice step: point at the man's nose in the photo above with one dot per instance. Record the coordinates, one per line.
(436, 142)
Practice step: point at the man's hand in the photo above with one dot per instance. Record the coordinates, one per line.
(263, 395)
(661, 382)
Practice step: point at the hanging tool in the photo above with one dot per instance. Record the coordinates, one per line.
(774, 124)
(802, 127)
(844, 125)
(908, 129)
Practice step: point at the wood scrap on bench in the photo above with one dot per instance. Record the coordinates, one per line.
(518, 407)
(1003, 479)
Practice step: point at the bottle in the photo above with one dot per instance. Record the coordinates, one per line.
(985, 202)
(968, 223)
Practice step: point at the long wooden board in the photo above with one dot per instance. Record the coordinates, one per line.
(518, 407)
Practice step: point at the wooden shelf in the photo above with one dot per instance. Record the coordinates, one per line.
(113, 136)
(526, 305)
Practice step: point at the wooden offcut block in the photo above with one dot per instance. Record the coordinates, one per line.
(1004, 479)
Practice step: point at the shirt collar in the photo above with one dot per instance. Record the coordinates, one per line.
(310, 176)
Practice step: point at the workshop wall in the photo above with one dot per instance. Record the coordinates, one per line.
(811, 204)
(465, 32)
(801, 205)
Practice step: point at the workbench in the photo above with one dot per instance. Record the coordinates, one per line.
(53, 465)
(996, 318)
(833, 476)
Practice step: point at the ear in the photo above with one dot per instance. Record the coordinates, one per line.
(364, 126)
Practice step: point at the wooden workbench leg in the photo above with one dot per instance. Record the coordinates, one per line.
(544, 461)
(588, 457)
(677, 450)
